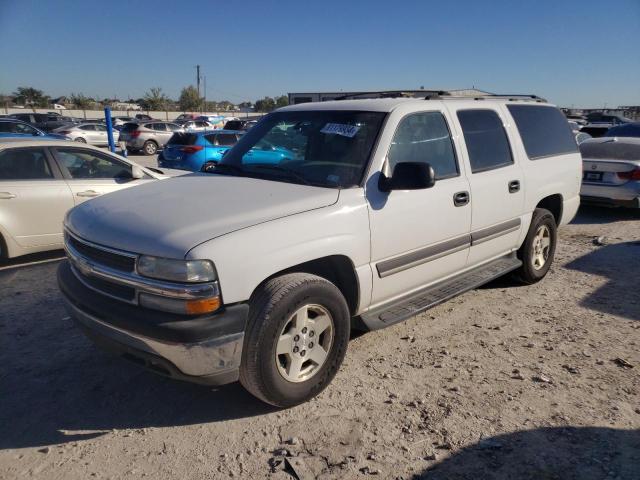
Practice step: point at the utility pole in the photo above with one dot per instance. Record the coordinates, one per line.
(198, 78)
(205, 92)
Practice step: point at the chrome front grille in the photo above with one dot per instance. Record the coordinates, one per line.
(89, 259)
(103, 256)
(113, 273)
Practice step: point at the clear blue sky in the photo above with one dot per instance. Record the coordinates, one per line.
(583, 53)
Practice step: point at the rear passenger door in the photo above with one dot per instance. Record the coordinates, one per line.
(33, 197)
(496, 180)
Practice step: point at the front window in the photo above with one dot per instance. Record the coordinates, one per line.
(323, 148)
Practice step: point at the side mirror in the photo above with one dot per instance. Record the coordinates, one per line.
(408, 176)
(136, 172)
(209, 166)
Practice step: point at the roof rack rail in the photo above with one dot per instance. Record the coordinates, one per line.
(394, 94)
(516, 96)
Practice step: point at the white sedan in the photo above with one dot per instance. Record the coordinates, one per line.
(41, 179)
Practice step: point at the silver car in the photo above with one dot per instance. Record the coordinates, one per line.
(611, 171)
(89, 132)
(149, 136)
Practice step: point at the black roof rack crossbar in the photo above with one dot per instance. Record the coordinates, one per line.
(393, 94)
(516, 96)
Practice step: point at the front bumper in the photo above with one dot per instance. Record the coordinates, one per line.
(204, 349)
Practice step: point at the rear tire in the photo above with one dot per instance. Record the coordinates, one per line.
(150, 147)
(538, 248)
(296, 339)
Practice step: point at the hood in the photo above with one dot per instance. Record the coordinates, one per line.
(168, 218)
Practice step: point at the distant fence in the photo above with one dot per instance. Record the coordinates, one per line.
(92, 114)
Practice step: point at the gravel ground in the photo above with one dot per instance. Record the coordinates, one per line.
(504, 382)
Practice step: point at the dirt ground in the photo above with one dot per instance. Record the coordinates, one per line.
(504, 382)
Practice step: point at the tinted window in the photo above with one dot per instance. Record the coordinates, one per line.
(610, 149)
(87, 127)
(15, 127)
(129, 127)
(544, 130)
(425, 138)
(24, 164)
(86, 164)
(486, 140)
(234, 125)
(25, 117)
(161, 127)
(626, 130)
(226, 139)
(172, 127)
(183, 139)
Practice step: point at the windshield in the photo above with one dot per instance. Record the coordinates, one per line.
(323, 148)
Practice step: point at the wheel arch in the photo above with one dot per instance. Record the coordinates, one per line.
(554, 204)
(338, 269)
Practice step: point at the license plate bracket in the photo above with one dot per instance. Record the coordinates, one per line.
(592, 176)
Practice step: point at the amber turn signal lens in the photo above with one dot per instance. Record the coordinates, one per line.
(194, 307)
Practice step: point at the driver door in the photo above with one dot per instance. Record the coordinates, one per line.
(419, 237)
(90, 174)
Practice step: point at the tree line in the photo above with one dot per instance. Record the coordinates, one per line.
(153, 100)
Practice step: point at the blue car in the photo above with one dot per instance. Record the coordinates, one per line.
(12, 128)
(190, 150)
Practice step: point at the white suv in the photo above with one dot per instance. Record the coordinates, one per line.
(324, 217)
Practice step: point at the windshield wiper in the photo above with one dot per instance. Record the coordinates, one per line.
(229, 166)
(286, 171)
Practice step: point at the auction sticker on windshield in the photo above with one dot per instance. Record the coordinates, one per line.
(340, 129)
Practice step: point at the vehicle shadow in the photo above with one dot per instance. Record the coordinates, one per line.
(57, 387)
(562, 453)
(620, 264)
(31, 258)
(592, 214)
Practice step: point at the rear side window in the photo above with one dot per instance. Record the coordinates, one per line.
(544, 130)
(24, 164)
(424, 138)
(183, 139)
(486, 140)
(129, 127)
(226, 139)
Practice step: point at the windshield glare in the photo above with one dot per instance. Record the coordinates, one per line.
(322, 148)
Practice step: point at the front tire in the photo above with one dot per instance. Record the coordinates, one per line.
(538, 249)
(80, 140)
(296, 339)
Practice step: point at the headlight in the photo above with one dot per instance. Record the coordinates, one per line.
(177, 270)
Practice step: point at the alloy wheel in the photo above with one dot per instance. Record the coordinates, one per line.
(304, 343)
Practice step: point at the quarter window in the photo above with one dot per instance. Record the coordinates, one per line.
(544, 130)
(24, 164)
(486, 140)
(226, 139)
(84, 164)
(424, 138)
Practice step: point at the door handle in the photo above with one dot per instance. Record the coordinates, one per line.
(514, 186)
(7, 195)
(88, 193)
(460, 198)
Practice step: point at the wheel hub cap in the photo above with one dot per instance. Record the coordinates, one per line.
(304, 343)
(541, 246)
